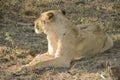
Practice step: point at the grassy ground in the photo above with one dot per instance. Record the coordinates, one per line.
(19, 44)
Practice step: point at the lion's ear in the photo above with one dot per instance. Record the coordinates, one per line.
(63, 12)
(50, 15)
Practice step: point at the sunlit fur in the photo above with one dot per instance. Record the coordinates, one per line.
(66, 41)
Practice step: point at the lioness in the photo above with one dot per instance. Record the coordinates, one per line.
(66, 41)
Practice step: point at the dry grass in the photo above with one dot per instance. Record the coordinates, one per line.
(19, 44)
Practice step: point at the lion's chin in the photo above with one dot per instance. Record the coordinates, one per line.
(38, 32)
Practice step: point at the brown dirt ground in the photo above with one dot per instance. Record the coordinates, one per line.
(19, 44)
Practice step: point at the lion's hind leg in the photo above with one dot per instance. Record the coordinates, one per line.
(108, 43)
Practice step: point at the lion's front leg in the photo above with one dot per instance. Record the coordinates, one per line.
(46, 60)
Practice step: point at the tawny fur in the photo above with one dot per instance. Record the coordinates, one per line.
(66, 41)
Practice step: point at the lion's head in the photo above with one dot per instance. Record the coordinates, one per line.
(46, 19)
